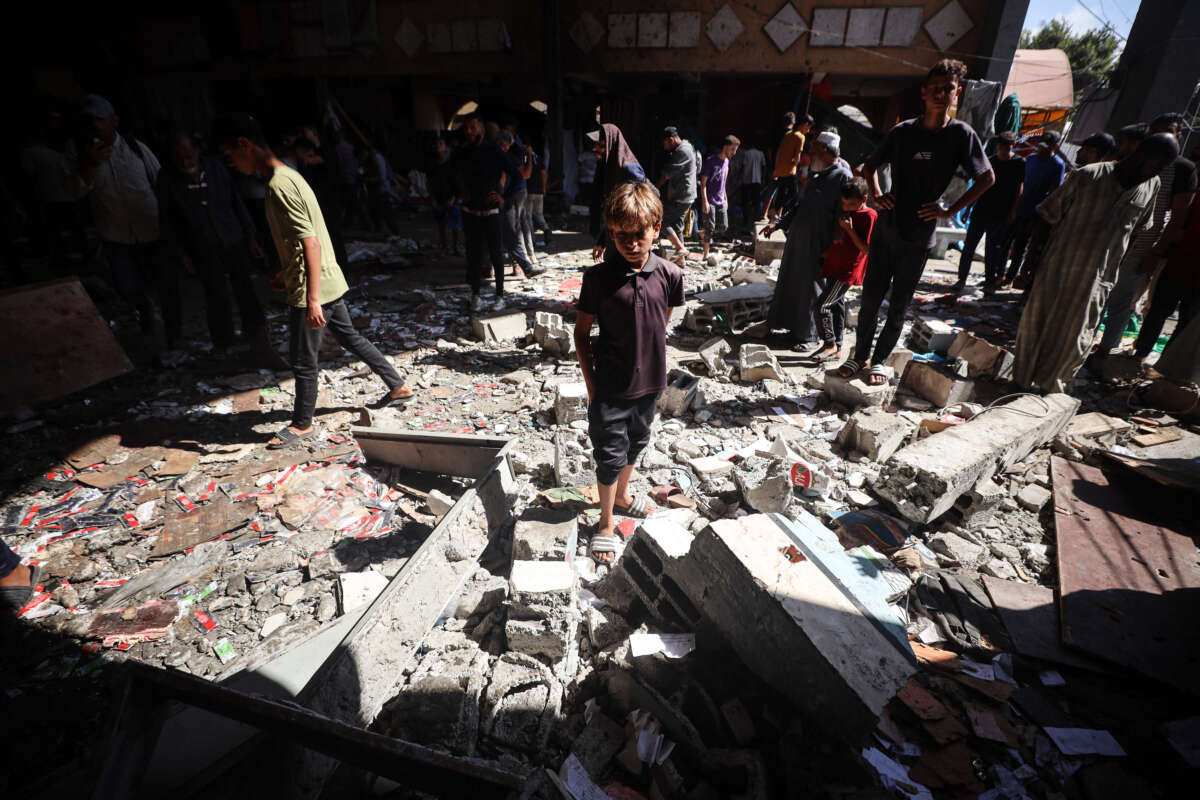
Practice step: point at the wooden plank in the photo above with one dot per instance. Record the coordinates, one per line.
(1177, 473)
(1158, 436)
(55, 343)
(1030, 613)
(206, 523)
(462, 455)
(1130, 587)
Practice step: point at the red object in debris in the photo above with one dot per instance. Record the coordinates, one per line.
(33, 603)
(204, 621)
(29, 517)
(130, 520)
(626, 528)
(792, 554)
(183, 502)
(208, 490)
(801, 475)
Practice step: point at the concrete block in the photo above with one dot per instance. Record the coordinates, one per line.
(767, 248)
(599, 743)
(539, 637)
(1033, 497)
(899, 359)
(500, 327)
(358, 589)
(798, 628)
(937, 384)
(605, 627)
(552, 334)
(943, 238)
(680, 393)
(573, 462)
(439, 502)
(539, 539)
(981, 503)
(520, 703)
(542, 578)
(874, 432)
(709, 467)
(924, 479)
(756, 362)
(481, 597)
(439, 710)
(957, 549)
(767, 490)
(930, 335)
(854, 393)
(984, 360)
(570, 402)
(713, 353)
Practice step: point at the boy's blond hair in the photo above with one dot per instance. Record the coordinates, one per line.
(633, 206)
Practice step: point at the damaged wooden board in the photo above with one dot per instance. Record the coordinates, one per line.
(1030, 614)
(459, 454)
(1177, 473)
(55, 343)
(109, 476)
(1130, 587)
(206, 523)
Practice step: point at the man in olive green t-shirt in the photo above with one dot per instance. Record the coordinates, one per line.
(311, 277)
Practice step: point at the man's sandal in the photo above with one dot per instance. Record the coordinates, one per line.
(288, 439)
(605, 543)
(849, 369)
(387, 401)
(15, 598)
(640, 508)
(879, 372)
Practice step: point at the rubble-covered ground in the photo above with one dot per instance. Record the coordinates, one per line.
(167, 533)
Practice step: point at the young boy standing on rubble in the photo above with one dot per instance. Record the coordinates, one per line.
(630, 294)
(313, 281)
(843, 266)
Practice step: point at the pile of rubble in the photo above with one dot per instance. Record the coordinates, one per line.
(810, 604)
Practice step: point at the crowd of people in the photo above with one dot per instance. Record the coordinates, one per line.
(1085, 239)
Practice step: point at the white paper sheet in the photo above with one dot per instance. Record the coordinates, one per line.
(672, 645)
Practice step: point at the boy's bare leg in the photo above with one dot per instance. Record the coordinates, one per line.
(612, 494)
(680, 247)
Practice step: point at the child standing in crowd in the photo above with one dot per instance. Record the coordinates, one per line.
(631, 295)
(313, 280)
(843, 266)
(712, 191)
(441, 187)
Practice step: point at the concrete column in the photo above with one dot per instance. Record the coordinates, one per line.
(1160, 65)
(998, 43)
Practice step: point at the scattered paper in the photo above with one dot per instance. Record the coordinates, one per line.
(1085, 742)
(578, 782)
(672, 645)
(652, 746)
(894, 775)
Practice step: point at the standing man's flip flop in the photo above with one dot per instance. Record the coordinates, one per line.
(640, 508)
(289, 439)
(849, 369)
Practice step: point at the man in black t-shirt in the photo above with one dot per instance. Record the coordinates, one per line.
(993, 215)
(924, 154)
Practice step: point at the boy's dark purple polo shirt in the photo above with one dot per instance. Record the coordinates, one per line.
(631, 307)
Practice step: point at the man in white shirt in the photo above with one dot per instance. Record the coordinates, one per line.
(754, 164)
(118, 177)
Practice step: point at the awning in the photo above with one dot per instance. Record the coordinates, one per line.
(1041, 79)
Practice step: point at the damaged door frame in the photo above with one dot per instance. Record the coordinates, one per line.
(333, 674)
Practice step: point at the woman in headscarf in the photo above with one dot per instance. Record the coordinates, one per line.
(809, 223)
(616, 164)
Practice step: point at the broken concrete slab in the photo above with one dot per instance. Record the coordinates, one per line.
(937, 384)
(552, 334)
(600, 741)
(1100, 428)
(500, 327)
(710, 467)
(573, 461)
(680, 394)
(540, 536)
(957, 549)
(899, 359)
(570, 402)
(812, 639)
(767, 490)
(1033, 497)
(924, 479)
(520, 703)
(984, 359)
(756, 362)
(874, 432)
(854, 392)
(358, 589)
(154, 582)
(713, 353)
(438, 502)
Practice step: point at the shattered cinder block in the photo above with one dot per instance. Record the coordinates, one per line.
(929, 335)
(542, 616)
(520, 704)
(957, 549)
(573, 463)
(680, 394)
(552, 334)
(570, 402)
(713, 353)
(542, 536)
(899, 359)
(984, 360)
(855, 393)
(1100, 428)
(981, 503)
(937, 384)
(766, 490)
(1033, 497)
(874, 432)
(924, 479)
(500, 327)
(756, 362)
(710, 467)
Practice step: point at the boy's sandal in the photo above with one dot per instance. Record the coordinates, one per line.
(605, 543)
(640, 508)
(849, 369)
(288, 439)
(877, 371)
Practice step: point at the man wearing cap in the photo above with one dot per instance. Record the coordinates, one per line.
(118, 176)
(992, 215)
(679, 179)
(1095, 148)
(1044, 172)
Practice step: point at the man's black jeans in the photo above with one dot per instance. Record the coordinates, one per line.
(305, 346)
(483, 235)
